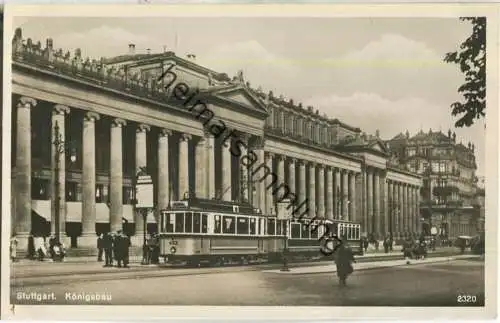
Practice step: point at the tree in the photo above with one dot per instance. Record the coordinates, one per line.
(472, 61)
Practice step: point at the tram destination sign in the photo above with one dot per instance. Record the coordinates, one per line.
(144, 193)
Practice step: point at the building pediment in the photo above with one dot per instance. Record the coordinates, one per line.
(237, 96)
(378, 146)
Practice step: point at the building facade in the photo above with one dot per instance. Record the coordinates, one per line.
(118, 115)
(450, 200)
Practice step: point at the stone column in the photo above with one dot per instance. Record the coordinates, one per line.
(291, 176)
(141, 159)
(417, 210)
(116, 175)
(258, 175)
(345, 195)
(312, 190)
(409, 216)
(58, 115)
(321, 189)
(338, 195)
(163, 169)
(245, 183)
(201, 171)
(210, 146)
(412, 207)
(386, 206)
(22, 192)
(268, 185)
(406, 208)
(302, 182)
(226, 189)
(352, 197)
(370, 213)
(401, 210)
(280, 173)
(376, 203)
(88, 237)
(183, 165)
(390, 206)
(329, 193)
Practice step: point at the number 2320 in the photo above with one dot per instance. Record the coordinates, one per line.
(466, 299)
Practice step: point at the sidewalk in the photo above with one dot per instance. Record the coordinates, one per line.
(137, 259)
(367, 265)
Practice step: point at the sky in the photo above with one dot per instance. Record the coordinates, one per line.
(383, 74)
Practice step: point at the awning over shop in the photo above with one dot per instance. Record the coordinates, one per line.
(101, 213)
(42, 208)
(128, 213)
(73, 211)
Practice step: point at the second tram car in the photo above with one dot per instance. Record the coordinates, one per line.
(198, 231)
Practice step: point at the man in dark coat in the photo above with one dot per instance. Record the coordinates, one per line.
(107, 243)
(344, 258)
(100, 246)
(118, 248)
(124, 245)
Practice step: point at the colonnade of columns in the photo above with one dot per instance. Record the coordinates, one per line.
(381, 206)
(330, 191)
(204, 170)
(390, 206)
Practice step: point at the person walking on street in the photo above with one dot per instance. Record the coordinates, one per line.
(344, 258)
(107, 243)
(100, 247)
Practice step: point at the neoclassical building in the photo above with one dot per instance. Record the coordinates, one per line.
(115, 116)
(451, 199)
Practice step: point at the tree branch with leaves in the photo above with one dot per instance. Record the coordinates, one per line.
(471, 58)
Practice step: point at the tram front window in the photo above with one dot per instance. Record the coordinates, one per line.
(168, 225)
(179, 222)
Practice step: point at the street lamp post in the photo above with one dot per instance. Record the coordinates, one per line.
(284, 214)
(144, 202)
(59, 148)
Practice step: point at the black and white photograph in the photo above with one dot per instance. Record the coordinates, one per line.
(249, 160)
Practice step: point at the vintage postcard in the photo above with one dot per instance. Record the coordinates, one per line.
(293, 161)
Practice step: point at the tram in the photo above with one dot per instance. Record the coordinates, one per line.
(196, 231)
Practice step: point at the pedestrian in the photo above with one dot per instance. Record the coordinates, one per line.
(386, 244)
(31, 247)
(100, 247)
(344, 258)
(117, 246)
(52, 243)
(124, 249)
(13, 248)
(365, 244)
(407, 250)
(107, 243)
(156, 250)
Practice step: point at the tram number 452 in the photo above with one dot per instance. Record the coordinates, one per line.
(466, 298)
